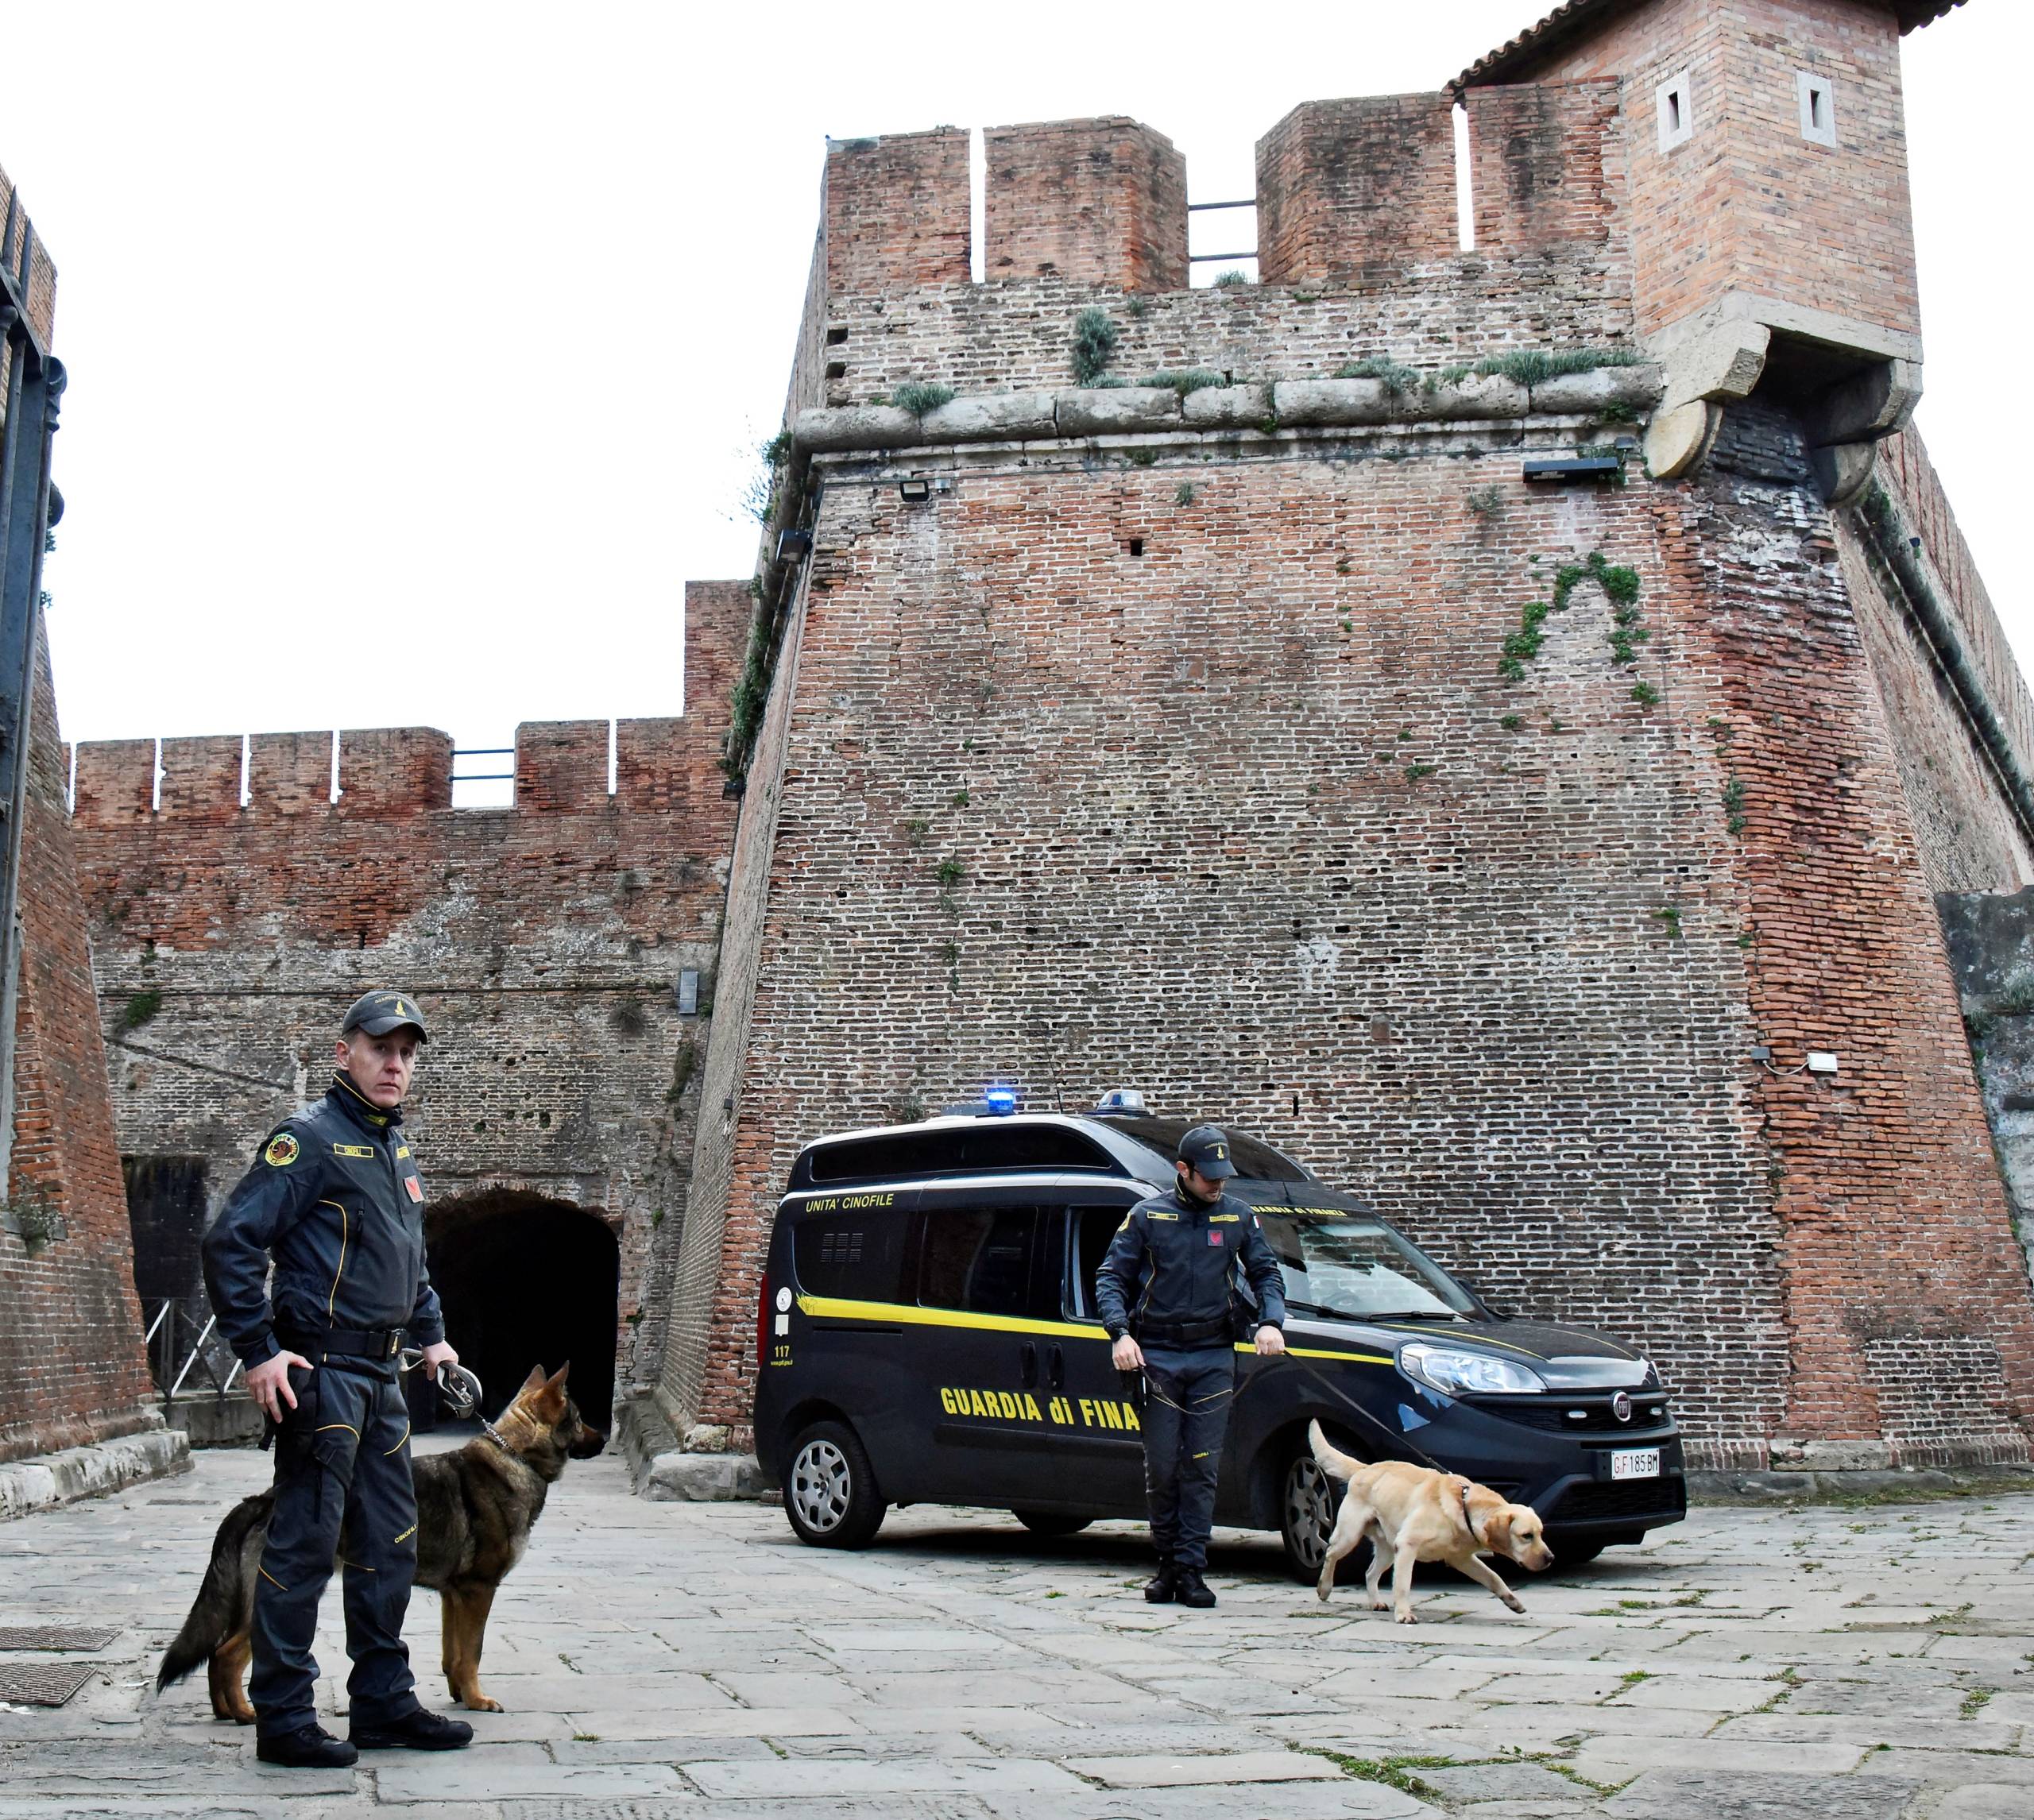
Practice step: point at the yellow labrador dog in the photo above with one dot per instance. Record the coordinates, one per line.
(1412, 1513)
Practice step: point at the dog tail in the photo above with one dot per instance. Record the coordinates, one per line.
(1335, 1464)
(220, 1608)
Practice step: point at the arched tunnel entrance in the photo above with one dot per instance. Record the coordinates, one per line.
(528, 1280)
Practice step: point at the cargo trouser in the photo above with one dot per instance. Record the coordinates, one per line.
(343, 1470)
(1185, 1414)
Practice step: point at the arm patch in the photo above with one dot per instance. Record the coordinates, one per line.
(281, 1152)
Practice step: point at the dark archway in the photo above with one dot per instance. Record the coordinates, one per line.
(526, 1281)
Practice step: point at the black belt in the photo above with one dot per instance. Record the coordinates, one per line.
(345, 1343)
(1183, 1333)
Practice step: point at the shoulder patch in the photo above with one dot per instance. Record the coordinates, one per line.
(281, 1152)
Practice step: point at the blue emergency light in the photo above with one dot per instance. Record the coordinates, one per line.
(1001, 1101)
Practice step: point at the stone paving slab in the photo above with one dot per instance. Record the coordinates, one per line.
(693, 1662)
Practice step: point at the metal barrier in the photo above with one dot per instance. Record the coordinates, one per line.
(169, 1367)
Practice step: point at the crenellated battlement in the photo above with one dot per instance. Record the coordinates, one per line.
(1351, 192)
(659, 765)
(1358, 239)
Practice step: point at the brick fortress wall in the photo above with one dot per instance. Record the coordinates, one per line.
(72, 1369)
(1207, 731)
(545, 940)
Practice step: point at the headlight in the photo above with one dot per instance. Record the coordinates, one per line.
(1455, 1373)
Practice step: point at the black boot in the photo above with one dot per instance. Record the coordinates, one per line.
(417, 1730)
(308, 1747)
(1193, 1590)
(1163, 1588)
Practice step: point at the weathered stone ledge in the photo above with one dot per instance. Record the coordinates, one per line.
(1308, 404)
(46, 1480)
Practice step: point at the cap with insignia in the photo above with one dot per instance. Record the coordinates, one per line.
(379, 1013)
(1206, 1147)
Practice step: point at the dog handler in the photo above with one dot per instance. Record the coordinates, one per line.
(335, 1198)
(1165, 1293)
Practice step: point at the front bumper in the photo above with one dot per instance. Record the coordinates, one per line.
(1527, 1449)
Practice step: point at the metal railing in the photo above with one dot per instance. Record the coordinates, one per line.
(171, 1364)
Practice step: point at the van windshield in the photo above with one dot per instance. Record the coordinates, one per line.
(1256, 1160)
(1355, 1266)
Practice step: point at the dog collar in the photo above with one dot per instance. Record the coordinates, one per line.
(494, 1435)
(1468, 1522)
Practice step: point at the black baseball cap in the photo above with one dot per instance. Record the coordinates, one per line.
(379, 1013)
(1207, 1148)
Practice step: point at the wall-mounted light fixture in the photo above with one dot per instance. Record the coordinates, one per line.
(791, 545)
(914, 490)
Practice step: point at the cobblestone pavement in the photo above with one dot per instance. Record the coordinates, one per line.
(693, 1661)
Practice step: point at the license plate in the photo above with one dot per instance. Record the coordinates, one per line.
(1635, 1462)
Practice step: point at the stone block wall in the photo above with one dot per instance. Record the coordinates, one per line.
(544, 939)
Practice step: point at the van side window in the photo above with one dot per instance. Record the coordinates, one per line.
(857, 1259)
(1093, 1228)
(978, 1258)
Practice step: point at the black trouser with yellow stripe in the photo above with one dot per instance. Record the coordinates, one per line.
(1185, 1414)
(343, 1491)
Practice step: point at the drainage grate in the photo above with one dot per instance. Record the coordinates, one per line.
(56, 1636)
(43, 1684)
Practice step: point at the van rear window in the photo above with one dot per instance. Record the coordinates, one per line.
(959, 1150)
(858, 1258)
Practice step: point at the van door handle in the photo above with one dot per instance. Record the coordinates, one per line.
(1028, 1359)
(1055, 1369)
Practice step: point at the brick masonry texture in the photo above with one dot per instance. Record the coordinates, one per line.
(1188, 766)
(544, 941)
(1746, 203)
(1096, 201)
(1356, 188)
(72, 1370)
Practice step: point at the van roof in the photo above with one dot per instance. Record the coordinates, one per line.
(1134, 1145)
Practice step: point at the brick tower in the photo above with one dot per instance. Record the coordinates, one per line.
(1481, 718)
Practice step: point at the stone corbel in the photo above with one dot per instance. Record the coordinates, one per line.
(1846, 424)
(1704, 372)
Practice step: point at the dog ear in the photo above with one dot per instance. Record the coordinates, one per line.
(556, 1381)
(534, 1381)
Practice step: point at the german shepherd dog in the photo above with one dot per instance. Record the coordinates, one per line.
(474, 1505)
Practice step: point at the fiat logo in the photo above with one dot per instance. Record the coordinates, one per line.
(1621, 1407)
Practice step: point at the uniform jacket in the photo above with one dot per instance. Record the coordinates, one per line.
(1173, 1262)
(335, 1195)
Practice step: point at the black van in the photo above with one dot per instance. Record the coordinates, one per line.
(926, 1333)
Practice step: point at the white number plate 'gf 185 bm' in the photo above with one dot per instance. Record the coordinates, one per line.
(1635, 1462)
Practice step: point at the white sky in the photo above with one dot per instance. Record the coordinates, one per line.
(418, 351)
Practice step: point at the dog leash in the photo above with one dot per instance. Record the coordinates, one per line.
(458, 1387)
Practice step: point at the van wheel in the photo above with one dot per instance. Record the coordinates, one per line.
(830, 1493)
(1309, 1500)
(1050, 1523)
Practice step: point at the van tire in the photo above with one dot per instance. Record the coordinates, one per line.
(830, 1493)
(1051, 1523)
(1308, 1502)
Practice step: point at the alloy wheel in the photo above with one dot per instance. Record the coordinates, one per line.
(1309, 1513)
(822, 1484)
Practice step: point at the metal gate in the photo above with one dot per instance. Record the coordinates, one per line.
(34, 381)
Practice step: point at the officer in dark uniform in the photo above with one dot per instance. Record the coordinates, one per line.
(335, 1198)
(1167, 1293)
